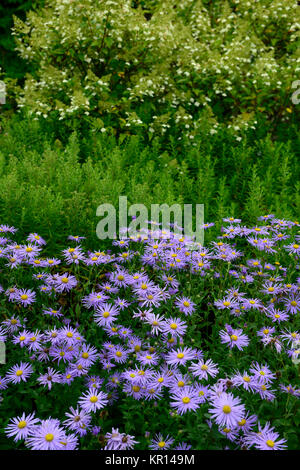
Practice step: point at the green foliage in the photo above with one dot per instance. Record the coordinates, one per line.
(161, 67)
(54, 187)
(11, 64)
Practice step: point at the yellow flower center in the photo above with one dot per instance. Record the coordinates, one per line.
(136, 388)
(161, 444)
(19, 373)
(180, 355)
(85, 355)
(173, 326)
(186, 400)
(65, 280)
(93, 399)
(270, 443)
(105, 314)
(24, 297)
(226, 409)
(234, 337)
(22, 424)
(49, 437)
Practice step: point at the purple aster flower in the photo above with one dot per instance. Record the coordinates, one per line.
(49, 378)
(75, 238)
(161, 443)
(114, 439)
(3, 383)
(262, 373)
(35, 238)
(12, 324)
(148, 359)
(185, 305)
(185, 399)
(73, 255)
(244, 380)
(183, 446)
(264, 391)
(46, 436)
(88, 355)
(94, 299)
(292, 304)
(156, 321)
(227, 410)
(64, 283)
(106, 314)
(203, 369)
(51, 262)
(21, 427)
(174, 326)
(290, 390)
(78, 421)
(53, 313)
(180, 356)
(93, 400)
(266, 439)
(234, 338)
(119, 354)
(19, 373)
(25, 297)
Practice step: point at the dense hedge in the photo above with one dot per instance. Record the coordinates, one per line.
(162, 66)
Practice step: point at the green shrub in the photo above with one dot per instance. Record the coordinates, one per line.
(161, 67)
(54, 188)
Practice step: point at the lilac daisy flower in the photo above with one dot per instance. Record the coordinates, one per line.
(234, 338)
(174, 326)
(49, 378)
(93, 400)
(267, 439)
(106, 314)
(78, 421)
(46, 436)
(204, 369)
(186, 399)
(35, 238)
(180, 356)
(21, 427)
(25, 297)
(227, 410)
(161, 443)
(19, 373)
(64, 283)
(185, 305)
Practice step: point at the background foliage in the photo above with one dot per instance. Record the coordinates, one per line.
(162, 67)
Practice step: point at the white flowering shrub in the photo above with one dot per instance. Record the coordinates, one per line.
(161, 64)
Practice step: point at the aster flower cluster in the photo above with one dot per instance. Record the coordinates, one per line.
(136, 333)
